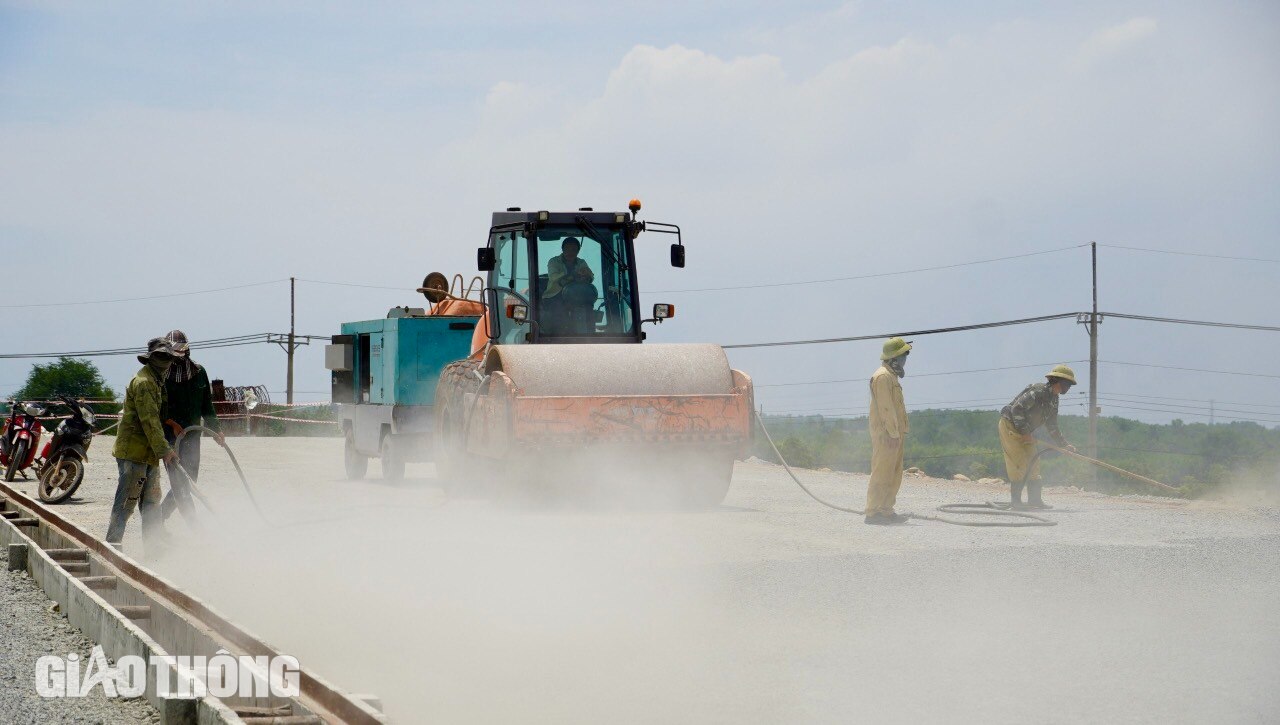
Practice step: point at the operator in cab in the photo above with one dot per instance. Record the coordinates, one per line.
(570, 294)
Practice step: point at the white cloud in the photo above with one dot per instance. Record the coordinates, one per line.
(1112, 41)
(886, 155)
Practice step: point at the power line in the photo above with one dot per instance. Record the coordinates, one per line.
(256, 338)
(1174, 320)
(915, 375)
(1193, 400)
(149, 297)
(870, 276)
(1199, 415)
(910, 333)
(1194, 370)
(1190, 254)
(1005, 323)
(401, 288)
(1188, 407)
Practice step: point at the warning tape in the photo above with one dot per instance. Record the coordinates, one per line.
(291, 420)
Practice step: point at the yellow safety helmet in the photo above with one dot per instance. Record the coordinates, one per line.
(1064, 372)
(893, 347)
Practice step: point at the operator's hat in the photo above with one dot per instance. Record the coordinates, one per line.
(156, 346)
(178, 339)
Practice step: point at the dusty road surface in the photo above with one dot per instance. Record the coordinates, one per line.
(768, 609)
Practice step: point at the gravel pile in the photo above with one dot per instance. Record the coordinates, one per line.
(28, 631)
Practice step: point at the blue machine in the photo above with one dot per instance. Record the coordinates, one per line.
(384, 384)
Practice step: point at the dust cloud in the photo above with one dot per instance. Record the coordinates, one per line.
(474, 610)
(765, 609)
(1250, 486)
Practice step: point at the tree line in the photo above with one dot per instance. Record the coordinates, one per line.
(1196, 457)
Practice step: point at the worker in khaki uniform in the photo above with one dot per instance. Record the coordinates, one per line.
(888, 423)
(1035, 406)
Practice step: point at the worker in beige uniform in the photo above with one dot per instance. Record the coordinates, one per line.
(888, 424)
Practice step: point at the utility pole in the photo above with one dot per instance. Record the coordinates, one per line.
(291, 347)
(1093, 362)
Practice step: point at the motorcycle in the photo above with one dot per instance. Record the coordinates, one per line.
(19, 437)
(61, 465)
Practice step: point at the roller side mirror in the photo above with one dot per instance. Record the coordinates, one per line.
(486, 259)
(677, 255)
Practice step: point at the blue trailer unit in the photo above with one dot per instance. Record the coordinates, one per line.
(384, 375)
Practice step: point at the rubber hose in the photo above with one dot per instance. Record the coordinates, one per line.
(982, 509)
(243, 481)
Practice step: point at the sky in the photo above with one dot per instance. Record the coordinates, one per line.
(153, 148)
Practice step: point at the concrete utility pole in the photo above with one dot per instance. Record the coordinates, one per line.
(290, 342)
(291, 347)
(1093, 361)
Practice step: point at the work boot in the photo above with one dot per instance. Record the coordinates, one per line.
(1035, 499)
(1015, 496)
(898, 518)
(882, 519)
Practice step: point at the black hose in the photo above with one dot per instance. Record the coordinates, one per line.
(982, 509)
(244, 481)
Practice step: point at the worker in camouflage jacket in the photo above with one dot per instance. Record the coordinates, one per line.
(889, 427)
(1035, 407)
(140, 446)
(188, 402)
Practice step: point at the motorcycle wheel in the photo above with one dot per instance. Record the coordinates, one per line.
(15, 461)
(61, 479)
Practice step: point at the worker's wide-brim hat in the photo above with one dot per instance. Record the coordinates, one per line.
(156, 345)
(893, 347)
(1063, 372)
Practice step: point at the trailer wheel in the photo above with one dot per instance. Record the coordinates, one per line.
(392, 460)
(355, 462)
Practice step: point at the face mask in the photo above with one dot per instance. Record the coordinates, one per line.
(161, 367)
(898, 366)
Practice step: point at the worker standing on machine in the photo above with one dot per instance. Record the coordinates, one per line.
(140, 446)
(189, 401)
(888, 424)
(1035, 406)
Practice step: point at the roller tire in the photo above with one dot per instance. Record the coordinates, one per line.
(15, 460)
(61, 479)
(452, 466)
(708, 483)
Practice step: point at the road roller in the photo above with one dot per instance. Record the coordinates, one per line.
(557, 395)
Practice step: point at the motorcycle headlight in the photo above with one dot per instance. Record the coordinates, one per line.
(88, 416)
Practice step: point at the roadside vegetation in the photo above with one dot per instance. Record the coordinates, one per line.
(1200, 459)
